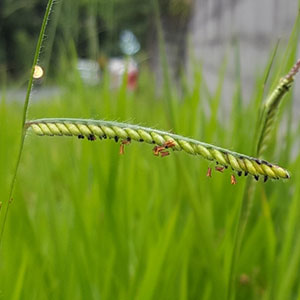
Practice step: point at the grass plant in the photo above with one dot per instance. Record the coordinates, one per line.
(265, 126)
(88, 223)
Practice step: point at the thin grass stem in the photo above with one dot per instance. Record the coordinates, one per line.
(5, 206)
(267, 119)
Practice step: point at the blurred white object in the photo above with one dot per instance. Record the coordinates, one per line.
(117, 68)
(89, 71)
(129, 43)
(38, 72)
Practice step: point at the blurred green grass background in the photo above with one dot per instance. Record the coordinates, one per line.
(87, 223)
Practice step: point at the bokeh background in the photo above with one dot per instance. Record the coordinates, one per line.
(87, 223)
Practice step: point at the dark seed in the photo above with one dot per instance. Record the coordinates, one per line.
(91, 137)
(285, 87)
(258, 161)
(141, 140)
(266, 178)
(240, 173)
(129, 139)
(256, 177)
(153, 142)
(116, 139)
(104, 136)
(226, 167)
(246, 173)
(80, 136)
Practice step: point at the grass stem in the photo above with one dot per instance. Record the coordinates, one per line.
(267, 119)
(5, 206)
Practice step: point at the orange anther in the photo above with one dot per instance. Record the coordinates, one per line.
(122, 149)
(125, 142)
(122, 146)
(220, 169)
(169, 144)
(157, 150)
(208, 174)
(232, 179)
(164, 153)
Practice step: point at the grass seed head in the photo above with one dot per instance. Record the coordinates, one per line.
(163, 140)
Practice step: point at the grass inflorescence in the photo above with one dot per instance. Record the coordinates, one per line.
(116, 130)
(267, 118)
(270, 108)
(87, 224)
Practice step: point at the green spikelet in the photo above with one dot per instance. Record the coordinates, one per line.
(271, 106)
(92, 129)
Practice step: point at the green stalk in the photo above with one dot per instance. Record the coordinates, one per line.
(5, 206)
(267, 119)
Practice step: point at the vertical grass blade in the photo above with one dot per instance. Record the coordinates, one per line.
(269, 111)
(5, 206)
